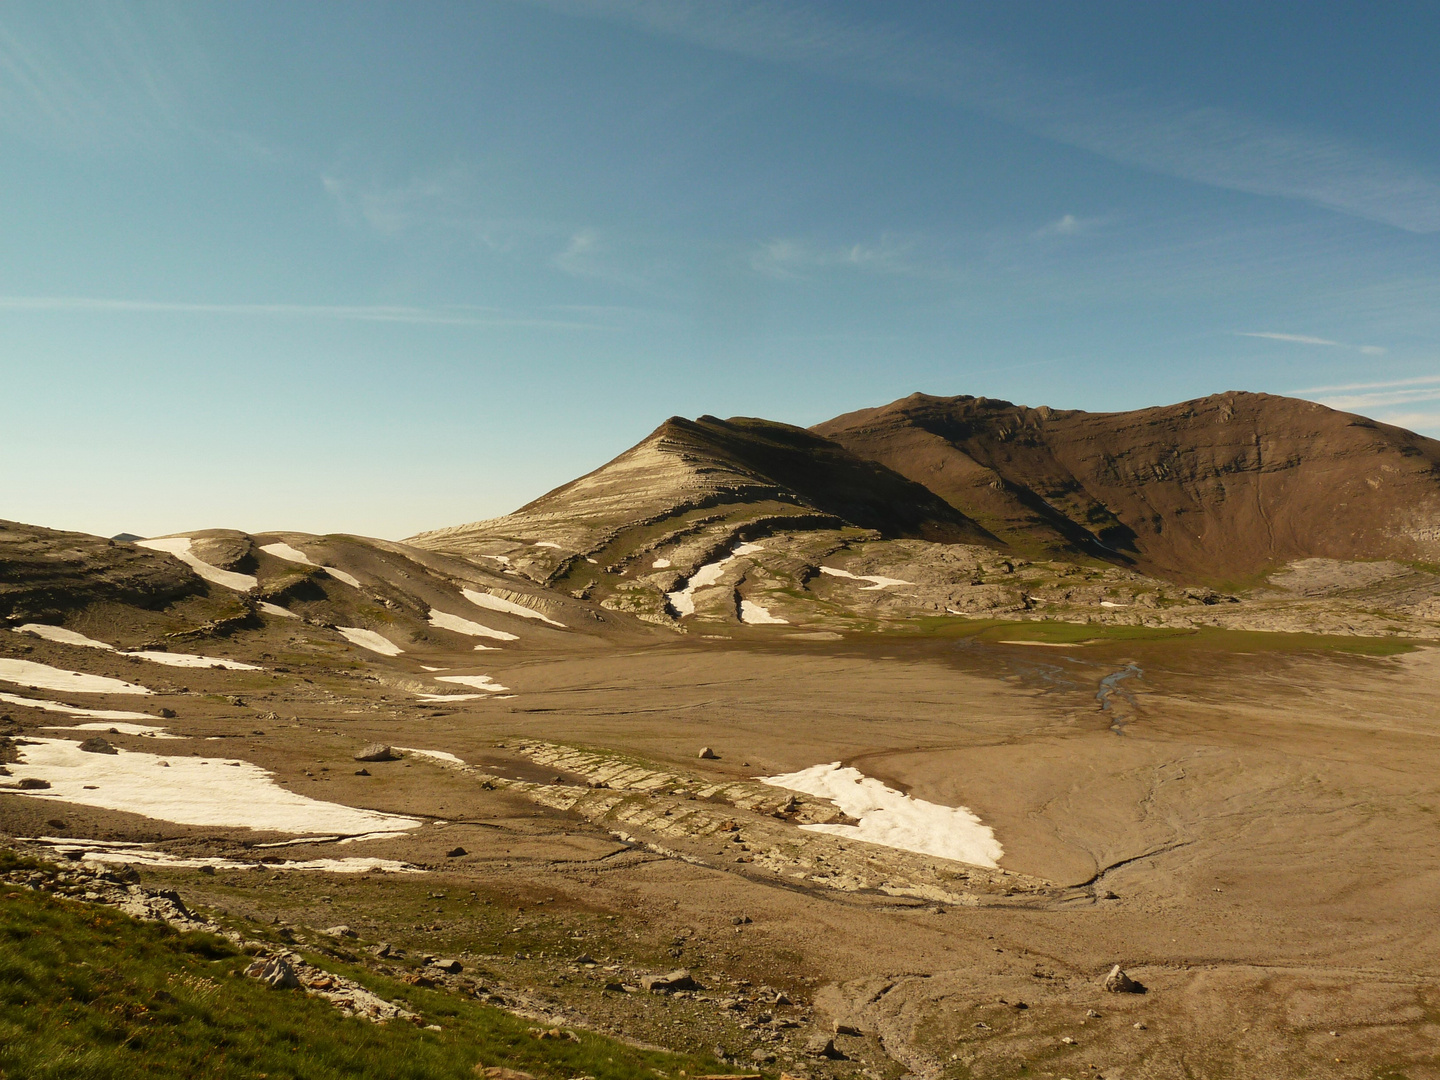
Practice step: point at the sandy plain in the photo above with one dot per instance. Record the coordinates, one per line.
(1247, 823)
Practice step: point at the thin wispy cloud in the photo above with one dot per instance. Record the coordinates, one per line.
(1191, 141)
(112, 74)
(1067, 225)
(1390, 401)
(1306, 339)
(790, 259)
(438, 316)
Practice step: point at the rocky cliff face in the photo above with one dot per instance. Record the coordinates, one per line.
(1218, 488)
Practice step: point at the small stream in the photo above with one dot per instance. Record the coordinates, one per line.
(1111, 692)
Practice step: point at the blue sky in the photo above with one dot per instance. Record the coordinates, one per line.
(380, 268)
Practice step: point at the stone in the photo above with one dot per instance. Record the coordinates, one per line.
(274, 973)
(30, 783)
(765, 1057)
(377, 752)
(706, 754)
(450, 967)
(673, 980)
(823, 1046)
(96, 745)
(167, 714)
(847, 1029)
(342, 931)
(456, 852)
(495, 1072)
(362, 772)
(1117, 982)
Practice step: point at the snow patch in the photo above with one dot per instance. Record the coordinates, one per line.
(479, 682)
(660, 564)
(188, 791)
(60, 634)
(509, 607)
(549, 544)
(180, 659)
(755, 615)
(295, 555)
(74, 710)
(45, 677)
(276, 609)
(369, 639)
(438, 755)
(99, 851)
(70, 637)
(450, 697)
(879, 580)
(893, 819)
(682, 601)
(464, 626)
(144, 730)
(179, 546)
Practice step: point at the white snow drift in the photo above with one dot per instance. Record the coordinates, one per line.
(683, 600)
(188, 791)
(71, 637)
(479, 682)
(179, 546)
(147, 731)
(755, 615)
(880, 581)
(894, 819)
(75, 710)
(446, 621)
(45, 677)
(509, 607)
(369, 639)
(295, 555)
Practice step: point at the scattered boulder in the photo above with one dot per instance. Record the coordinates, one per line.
(706, 754)
(362, 772)
(274, 973)
(847, 1029)
(377, 752)
(1117, 982)
(342, 931)
(456, 852)
(823, 1046)
(450, 967)
(669, 982)
(96, 745)
(31, 783)
(167, 714)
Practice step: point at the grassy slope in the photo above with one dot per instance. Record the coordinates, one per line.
(87, 993)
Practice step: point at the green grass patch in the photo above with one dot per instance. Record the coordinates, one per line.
(87, 993)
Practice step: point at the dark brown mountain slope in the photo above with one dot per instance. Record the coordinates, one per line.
(1218, 488)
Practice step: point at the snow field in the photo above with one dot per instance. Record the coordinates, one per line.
(369, 639)
(188, 791)
(295, 555)
(683, 600)
(880, 581)
(179, 546)
(893, 819)
(479, 682)
(45, 677)
(74, 710)
(755, 615)
(509, 607)
(446, 621)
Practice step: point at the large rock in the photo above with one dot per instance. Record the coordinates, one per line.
(274, 973)
(669, 982)
(1117, 982)
(377, 752)
(97, 745)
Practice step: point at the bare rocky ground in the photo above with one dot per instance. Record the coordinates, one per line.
(1245, 822)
